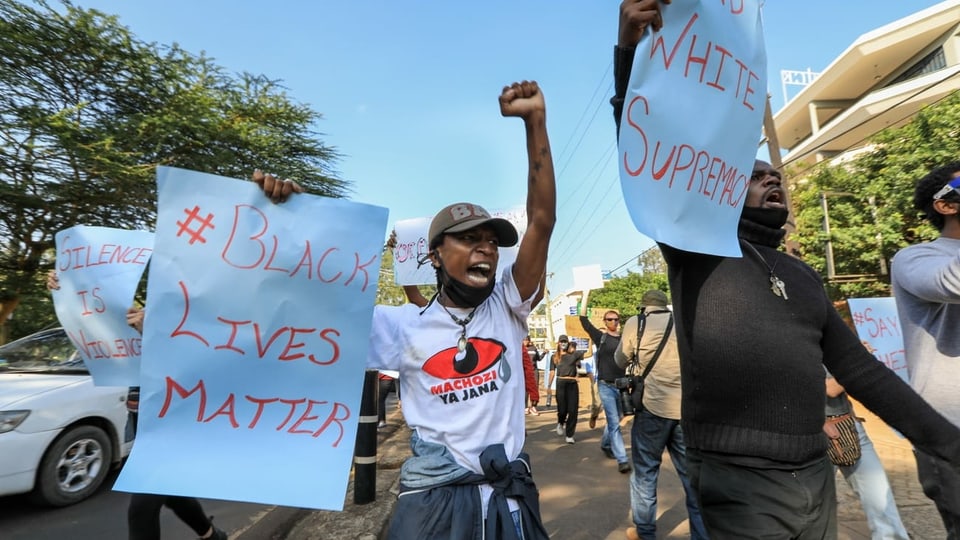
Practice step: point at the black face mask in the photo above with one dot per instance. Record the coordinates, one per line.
(461, 294)
(770, 217)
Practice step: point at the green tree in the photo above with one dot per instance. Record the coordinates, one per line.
(624, 293)
(87, 112)
(869, 200)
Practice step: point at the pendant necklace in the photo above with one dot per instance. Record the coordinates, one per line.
(462, 342)
(776, 284)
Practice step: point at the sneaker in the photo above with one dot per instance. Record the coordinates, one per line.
(570, 440)
(632, 534)
(533, 410)
(609, 453)
(560, 429)
(218, 534)
(623, 467)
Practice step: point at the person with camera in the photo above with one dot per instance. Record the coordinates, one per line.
(606, 342)
(650, 338)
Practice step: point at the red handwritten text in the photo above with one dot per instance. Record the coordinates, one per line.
(299, 416)
(877, 327)
(710, 64)
(88, 256)
(97, 349)
(708, 175)
(288, 343)
(313, 263)
(99, 306)
(895, 360)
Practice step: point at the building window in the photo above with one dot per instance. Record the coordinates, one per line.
(934, 61)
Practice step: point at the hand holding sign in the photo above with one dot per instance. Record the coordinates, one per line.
(684, 174)
(635, 17)
(98, 270)
(254, 344)
(276, 189)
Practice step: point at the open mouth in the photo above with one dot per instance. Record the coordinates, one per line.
(775, 199)
(479, 273)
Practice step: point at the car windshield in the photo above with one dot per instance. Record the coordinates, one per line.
(49, 351)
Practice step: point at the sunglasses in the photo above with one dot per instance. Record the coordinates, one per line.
(950, 187)
(613, 319)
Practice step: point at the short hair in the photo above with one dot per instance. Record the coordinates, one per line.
(930, 185)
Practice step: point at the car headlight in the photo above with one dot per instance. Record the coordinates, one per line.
(9, 420)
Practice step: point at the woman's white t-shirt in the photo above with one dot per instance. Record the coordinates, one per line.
(466, 412)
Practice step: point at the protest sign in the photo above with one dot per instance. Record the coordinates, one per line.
(691, 124)
(878, 324)
(99, 269)
(412, 244)
(255, 343)
(586, 278)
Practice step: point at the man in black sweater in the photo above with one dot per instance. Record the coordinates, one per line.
(754, 334)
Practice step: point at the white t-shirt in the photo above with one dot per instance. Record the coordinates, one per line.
(466, 412)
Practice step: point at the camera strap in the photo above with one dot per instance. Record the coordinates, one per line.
(641, 326)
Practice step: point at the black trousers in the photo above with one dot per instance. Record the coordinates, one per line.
(568, 405)
(385, 386)
(143, 515)
(941, 484)
(739, 502)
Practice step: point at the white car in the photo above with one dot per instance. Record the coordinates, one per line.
(59, 434)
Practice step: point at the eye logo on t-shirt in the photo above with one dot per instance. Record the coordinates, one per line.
(469, 374)
(480, 355)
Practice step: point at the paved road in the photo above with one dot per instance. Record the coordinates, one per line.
(583, 496)
(103, 516)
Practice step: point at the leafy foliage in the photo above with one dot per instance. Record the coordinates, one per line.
(870, 200)
(623, 294)
(87, 112)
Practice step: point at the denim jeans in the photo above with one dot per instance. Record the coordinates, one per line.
(650, 435)
(612, 438)
(868, 479)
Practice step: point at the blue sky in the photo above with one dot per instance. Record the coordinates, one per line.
(408, 91)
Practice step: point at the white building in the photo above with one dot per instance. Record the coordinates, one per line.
(880, 81)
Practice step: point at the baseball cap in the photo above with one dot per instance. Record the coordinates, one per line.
(563, 337)
(654, 297)
(462, 216)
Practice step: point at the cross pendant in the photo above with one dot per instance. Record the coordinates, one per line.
(777, 286)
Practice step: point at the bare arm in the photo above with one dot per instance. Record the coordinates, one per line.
(834, 388)
(525, 100)
(583, 303)
(541, 291)
(53, 281)
(414, 296)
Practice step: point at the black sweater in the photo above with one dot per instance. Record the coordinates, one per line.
(752, 362)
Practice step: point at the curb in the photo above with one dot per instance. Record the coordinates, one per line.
(367, 521)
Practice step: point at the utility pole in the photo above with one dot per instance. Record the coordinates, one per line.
(546, 298)
(773, 148)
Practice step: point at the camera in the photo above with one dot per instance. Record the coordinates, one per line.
(625, 385)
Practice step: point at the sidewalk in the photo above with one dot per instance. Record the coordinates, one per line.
(918, 513)
(369, 522)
